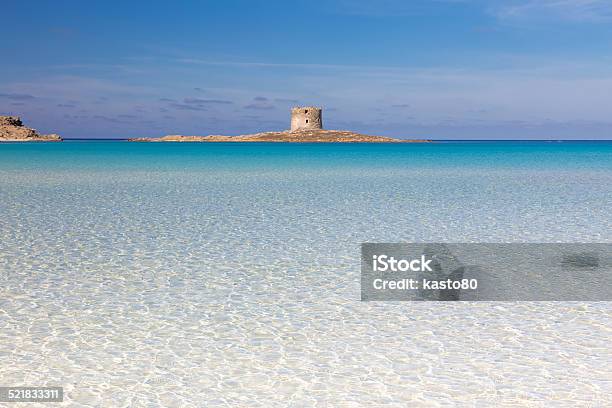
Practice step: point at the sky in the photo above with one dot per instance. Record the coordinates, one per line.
(439, 69)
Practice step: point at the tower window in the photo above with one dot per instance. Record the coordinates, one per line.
(306, 111)
(306, 120)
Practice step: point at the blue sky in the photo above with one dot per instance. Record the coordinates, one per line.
(424, 68)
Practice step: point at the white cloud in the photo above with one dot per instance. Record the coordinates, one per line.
(568, 10)
(516, 10)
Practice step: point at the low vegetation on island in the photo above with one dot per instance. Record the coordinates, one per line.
(298, 136)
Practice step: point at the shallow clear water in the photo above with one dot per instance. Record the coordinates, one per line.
(139, 274)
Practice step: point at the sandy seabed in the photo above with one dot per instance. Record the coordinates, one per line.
(241, 288)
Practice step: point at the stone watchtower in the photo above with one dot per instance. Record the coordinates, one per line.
(306, 117)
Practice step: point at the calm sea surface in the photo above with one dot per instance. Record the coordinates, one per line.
(181, 274)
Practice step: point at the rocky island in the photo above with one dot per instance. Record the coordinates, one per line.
(300, 136)
(13, 130)
(306, 127)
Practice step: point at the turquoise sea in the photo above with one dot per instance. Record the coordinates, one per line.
(193, 274)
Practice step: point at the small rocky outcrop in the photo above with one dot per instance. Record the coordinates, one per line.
(13, 130)
(299, 136)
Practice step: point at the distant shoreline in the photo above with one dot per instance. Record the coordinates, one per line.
(30, 140)
(124, 139)
(434, 141)
(299, 136)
